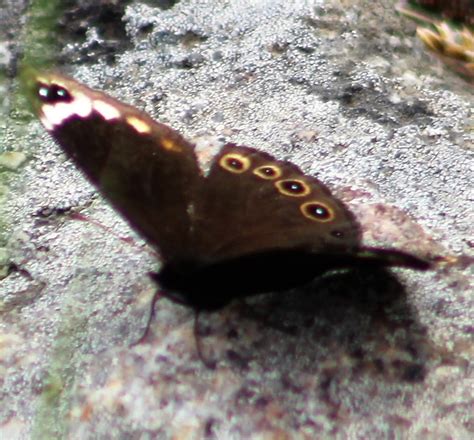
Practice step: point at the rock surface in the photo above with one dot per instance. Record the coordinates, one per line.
(343, 90)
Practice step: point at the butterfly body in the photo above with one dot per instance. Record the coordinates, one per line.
(251, 224)
(211, 286)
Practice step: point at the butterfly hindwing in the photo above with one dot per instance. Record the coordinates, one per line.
(253, 202)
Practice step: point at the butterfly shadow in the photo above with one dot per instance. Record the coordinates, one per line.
(360, 319)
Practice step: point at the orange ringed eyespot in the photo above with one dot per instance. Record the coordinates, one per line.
(235, 163)
(317, 211)
(293, 187)
(267, 172)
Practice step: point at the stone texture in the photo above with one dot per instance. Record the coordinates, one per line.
(342, 89)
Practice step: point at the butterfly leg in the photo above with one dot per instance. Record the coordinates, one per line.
(211, 364)
(199, 348)
(157, 295)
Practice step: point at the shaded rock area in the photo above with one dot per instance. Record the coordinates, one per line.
(342, 89)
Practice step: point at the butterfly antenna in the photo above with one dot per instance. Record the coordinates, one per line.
(199, 348)
(128, 240)
(392, 257)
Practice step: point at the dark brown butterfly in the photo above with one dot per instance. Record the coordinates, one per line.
(250, 224)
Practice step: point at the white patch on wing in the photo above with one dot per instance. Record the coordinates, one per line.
(138, 124)
(56, 114)
(206, 148)
(81, 105)
(108, 111)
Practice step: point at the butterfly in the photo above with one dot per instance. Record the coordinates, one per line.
(248, 224)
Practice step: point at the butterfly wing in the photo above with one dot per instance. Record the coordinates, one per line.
(145, 169)
(251, 203)
(233, 233)
(261, 225)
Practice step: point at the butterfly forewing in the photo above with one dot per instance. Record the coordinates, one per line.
(145, 169)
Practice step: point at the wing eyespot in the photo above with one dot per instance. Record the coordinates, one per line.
(268, 172)
(293, 187)
(53, 93)
(235, 163)
(317, 211)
